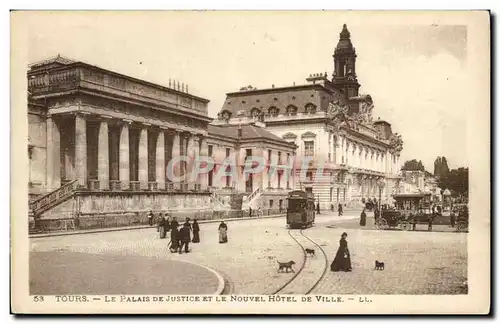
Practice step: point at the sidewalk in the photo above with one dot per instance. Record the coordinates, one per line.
(125, 228)
(61, 273)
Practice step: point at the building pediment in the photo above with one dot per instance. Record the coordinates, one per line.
(308, 135)
(289, 136)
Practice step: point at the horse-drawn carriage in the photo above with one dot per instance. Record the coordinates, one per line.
(410, 209)
(461, 213)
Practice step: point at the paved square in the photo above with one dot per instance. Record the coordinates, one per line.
(416, 262)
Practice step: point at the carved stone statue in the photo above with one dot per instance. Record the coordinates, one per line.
(366, 111)
(338, 114)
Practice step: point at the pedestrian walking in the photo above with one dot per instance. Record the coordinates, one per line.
(341, 210)
(188, 224)
(185, 238)
(196, 232)
(342, 261)
(222, 232)
(332, 208)
(174, 235)
(452, 218)
(150, 218)
(362, 219)
(161, 226)
(317, 208)
(249, 211)
(430, 220)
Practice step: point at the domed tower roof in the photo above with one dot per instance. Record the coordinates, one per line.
(344, 45)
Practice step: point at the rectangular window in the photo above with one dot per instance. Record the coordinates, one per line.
(269, 156)
(228, 152)
(210, 150)
(279, 180)
(279, 158)
(338, 194)
(309, 148)
(309, 175)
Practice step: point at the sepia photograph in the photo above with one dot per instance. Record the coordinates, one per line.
(284, 162)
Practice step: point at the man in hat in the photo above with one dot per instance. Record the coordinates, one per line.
(185, 238)
(150, 218)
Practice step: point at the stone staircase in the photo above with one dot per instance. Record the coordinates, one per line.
(219, 203)
(252, 198)
(52, 199)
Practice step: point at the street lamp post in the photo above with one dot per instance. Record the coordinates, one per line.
(381, 185)
(240, 116)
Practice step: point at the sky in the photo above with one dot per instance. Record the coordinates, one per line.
(416, 74)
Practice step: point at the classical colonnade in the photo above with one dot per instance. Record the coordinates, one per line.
(104, 153)
(363, 156)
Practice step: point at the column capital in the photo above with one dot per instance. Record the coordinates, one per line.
(127, 121)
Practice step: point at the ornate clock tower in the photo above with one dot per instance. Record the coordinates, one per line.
(344, 75)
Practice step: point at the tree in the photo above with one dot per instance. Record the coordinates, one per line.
(413, 165)
(441, 166)
(456, 180)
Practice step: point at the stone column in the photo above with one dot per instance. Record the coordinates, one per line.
(53, 155)
(143, 158)
(176, 152)
(124, 159)
(103, 156)
(81, 150)
(204, 154)
(196, 154)
(190, 154)
(160, 160)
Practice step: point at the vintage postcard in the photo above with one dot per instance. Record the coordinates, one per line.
(232, 162)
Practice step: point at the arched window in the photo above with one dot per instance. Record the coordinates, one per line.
(291, 110)
(255, 113)
(310, 108)
(273, 111)
(226, 115)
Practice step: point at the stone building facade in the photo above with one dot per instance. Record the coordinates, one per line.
(101, 142)
(353, 155)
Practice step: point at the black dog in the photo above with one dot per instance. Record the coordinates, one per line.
(310, 252)
(379, 265)
(282, 266)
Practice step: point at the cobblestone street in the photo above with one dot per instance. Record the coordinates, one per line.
(416, 262)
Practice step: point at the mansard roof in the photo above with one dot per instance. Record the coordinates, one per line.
(299, 96)
(249, 132)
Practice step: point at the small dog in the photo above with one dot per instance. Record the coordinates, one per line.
(285, 266)
(310, 252)
(379, 265)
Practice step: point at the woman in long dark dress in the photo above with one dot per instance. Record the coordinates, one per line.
(222, 232)
(342, 261)
(174, 239)
(161, 227)
(196, 232)
(362, 219)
